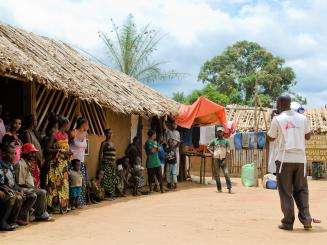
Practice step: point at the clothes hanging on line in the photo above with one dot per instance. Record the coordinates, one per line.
(207, 134)
(186, 136)
(245, 140)
(238, 141)
(231, 142)
(196, 137)
(252, 140)
(261, 140)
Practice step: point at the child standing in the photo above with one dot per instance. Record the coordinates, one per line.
(97, 192)
(76, 183)
(137, 180)
(122, 170)
(153, 163)
(171, 162)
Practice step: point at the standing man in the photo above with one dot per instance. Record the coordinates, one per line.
(289, 130)
(220, 149)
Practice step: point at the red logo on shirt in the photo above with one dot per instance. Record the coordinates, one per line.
(289, 125)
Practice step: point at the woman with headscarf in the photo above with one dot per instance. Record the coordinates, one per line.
(107, 159)
(78, 146)
(57, 178)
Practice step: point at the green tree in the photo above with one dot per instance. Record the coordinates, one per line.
(209, 91)
(180, 97)
(131, 51)
(235, 71)
(298, 98)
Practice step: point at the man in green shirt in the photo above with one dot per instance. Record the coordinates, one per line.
(153, 163)
(220, 149)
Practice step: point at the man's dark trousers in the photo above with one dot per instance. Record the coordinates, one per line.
(292, 184)
(221, 164)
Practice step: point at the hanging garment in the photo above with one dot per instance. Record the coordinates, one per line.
(196, 137)
(245, 140)
(230, 128)
(186, 136)
(207, 134)
(261, 140)
(252, 140)
(231, 142)
(238, 141)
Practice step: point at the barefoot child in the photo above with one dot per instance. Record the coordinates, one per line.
(76, 183)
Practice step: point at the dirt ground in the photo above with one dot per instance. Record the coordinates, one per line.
(193, 215)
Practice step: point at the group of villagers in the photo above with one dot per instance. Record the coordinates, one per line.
(45, 175)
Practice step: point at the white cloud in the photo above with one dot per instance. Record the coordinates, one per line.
(196, 30)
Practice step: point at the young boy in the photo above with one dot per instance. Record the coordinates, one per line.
(153, 163)
(137, 180)
(76, 183)
(171, 162)
(220, 149)
(97, 193)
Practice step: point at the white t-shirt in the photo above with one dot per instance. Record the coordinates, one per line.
(173, 134)
(299, 125)
(24, 176)
(79, 146)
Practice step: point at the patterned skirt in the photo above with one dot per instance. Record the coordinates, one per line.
(83, 197)
(110, 179)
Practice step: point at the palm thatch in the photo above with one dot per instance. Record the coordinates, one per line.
(318, 119)
(244, 116)
(29, 57)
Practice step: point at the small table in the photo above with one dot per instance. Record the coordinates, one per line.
(204, 157)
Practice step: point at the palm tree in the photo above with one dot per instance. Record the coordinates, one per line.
(131, 51)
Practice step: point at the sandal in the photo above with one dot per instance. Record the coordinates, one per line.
(316, 221)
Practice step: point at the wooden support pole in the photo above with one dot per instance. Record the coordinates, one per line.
(32, 93)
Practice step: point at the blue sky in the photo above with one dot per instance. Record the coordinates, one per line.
(196, 30)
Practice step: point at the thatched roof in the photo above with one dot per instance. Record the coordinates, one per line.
(244, 115)
(318, 118)
(29, 57)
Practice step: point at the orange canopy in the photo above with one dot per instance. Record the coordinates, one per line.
(201, 112)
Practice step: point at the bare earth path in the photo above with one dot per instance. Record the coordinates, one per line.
(189, 216)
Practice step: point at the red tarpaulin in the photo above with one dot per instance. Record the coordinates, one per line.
(201, 112)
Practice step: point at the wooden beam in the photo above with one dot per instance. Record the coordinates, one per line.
(45, 110)
(39, 99)
(32, 93)
(88, 117)
(102, 127)
(57, 95)
(245, 109)
(96, 126)
(70, 108)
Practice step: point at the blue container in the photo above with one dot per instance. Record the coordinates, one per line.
(271, 184)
